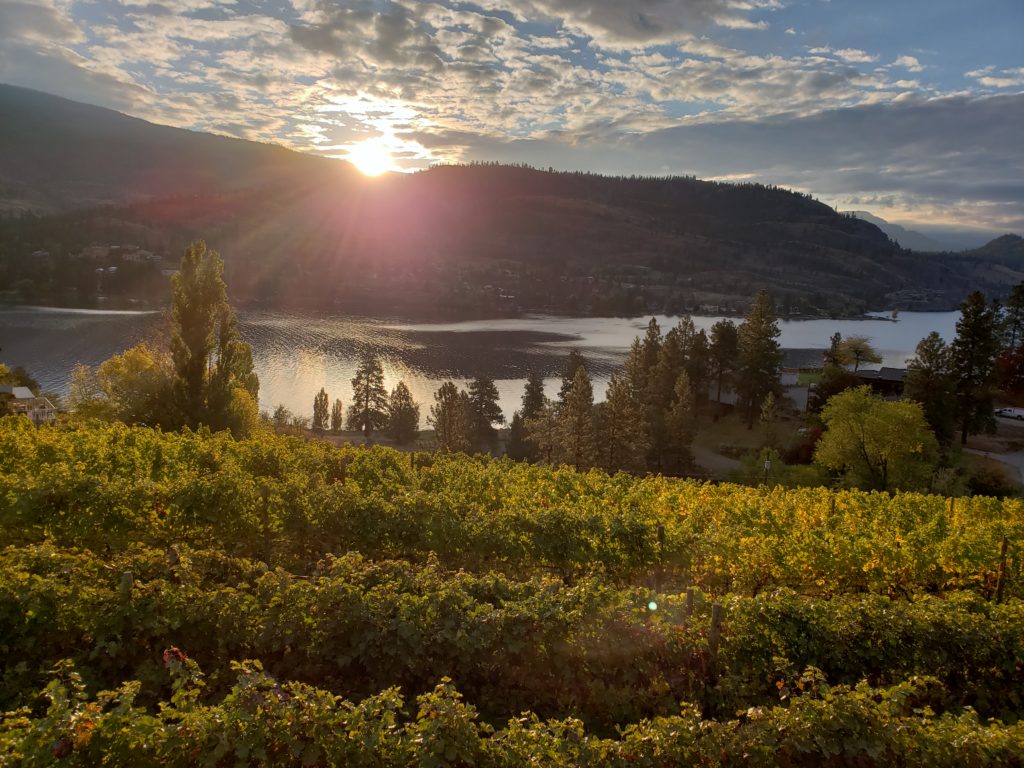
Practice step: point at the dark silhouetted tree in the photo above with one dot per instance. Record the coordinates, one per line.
(760, 357)
(403, 415)
(973, 364)
(929, 381)
(337, 416)
(369, 409)
(320, 408)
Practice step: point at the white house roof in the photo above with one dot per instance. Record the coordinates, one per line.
(20, 393)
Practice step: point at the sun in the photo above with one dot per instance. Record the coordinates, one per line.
(372, 157)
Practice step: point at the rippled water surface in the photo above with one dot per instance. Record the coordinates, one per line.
(296, 354)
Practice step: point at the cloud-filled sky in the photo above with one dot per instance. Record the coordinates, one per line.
(913, 110)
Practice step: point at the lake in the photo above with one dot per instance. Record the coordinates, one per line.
(295, 354)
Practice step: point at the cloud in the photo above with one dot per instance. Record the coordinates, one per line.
(849, 55)
(990, 77)
(40, 22)
(909, 63)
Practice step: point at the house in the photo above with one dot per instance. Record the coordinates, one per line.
(20, 400)
(887, 382)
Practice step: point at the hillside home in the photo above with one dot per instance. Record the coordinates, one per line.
(20, 400)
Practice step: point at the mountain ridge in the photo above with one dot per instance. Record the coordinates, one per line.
(296, 228)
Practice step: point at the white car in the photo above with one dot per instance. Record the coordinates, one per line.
(1011, 413)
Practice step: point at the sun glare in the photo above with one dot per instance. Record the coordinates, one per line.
(372, 157)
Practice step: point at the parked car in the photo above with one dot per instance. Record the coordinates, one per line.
(1011, 413)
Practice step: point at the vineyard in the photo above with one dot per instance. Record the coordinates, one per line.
(185, 598)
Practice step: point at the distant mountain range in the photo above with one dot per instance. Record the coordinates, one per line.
(300, 229)
(906, 238)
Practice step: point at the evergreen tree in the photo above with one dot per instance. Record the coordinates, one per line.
(573, 363)
(973, 362)
(698, 368)
(543, 433)
(337, 417)
(576, 429)
(320, 406)
(723, 354)
(680, 423)
(451, 417)
(403, 415)
(660, 392)
(760, 357)
(483, 399)
(1014, 318)
(929, 381)
(519, 446)
(533, 396)
(369, 409)
(622, 439)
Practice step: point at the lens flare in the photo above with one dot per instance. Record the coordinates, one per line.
(652, 606)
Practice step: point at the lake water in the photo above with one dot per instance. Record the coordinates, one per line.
(295, 354)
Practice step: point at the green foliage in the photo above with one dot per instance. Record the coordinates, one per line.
(403, 415)
(483, 404)
(99, 485)
(577, 434)
(451, 416)
(337, 416)
(877, 444)
(369, 409)
(320, 408)
(760, 356)
(929, 382)
(973, 356)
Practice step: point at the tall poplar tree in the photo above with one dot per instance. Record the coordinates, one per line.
(973, 362)
(320, 406)
(760, 357)
(337, 416)
(214, 382)
(369, 409)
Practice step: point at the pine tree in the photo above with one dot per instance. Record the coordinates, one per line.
(403, 415)
(533, 396)
(573, 363)
(369, 409)
(337, 417)
(680, 423)
(760, 357)
(929, 382)
(320, 406)
(1014, 318)
(483, 398)
(451, 418)
(576, 429)
(723, 355)
(519, 446)
(543, 433)
(973, 361)
(622, 441)
(698, 368)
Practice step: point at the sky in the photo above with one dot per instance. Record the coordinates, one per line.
(910, 109)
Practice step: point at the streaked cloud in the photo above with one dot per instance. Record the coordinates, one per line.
(782, 91)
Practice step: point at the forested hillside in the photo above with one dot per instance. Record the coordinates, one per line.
(297, 229)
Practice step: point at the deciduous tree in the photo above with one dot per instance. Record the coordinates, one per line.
(320, 406)
(929, 381)
(877, 444)
(452, 419)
